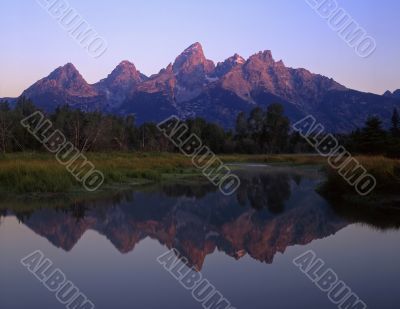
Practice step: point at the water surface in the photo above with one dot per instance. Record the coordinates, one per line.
(244, 244)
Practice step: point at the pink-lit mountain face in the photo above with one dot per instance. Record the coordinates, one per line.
(65, 85)
(120, 83)
(66, 80)
(194, 86)
(184, 79)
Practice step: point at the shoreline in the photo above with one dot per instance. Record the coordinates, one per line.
(22, 173)
(38, 176)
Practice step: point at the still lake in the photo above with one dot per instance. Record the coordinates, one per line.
(243, 244)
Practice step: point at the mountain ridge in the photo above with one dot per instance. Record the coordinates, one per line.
(194, 86)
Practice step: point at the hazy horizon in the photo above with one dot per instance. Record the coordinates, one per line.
(152, 34)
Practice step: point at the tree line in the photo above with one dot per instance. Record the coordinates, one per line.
(259, 132)
(373, 139)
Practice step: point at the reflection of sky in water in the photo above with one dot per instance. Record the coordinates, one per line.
(212, 230)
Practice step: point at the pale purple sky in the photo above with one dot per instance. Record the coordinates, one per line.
(152, 33)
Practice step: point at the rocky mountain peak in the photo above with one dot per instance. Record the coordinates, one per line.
(189, 74)
(126, 65)
(124, 75)
(263, 56)
(192, 58)
(66, 73)
(65, 79)
(193, 86)
(122, 81)
(237, 59)
(195, 47)
(230, 63)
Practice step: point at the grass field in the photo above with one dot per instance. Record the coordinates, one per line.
(40, 172)
(33, 172)
(386, 172)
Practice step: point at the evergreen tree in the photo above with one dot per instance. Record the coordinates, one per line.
(276, 129)
(373, 138)
(6, 124)
(394, 143)
(241, 125)
(255, 125)
(395, 130)
(22, 140)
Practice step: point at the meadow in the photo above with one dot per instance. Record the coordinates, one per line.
(386, 193)
(36, 173)
(40, 172)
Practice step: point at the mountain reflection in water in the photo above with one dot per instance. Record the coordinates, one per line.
(273, 209)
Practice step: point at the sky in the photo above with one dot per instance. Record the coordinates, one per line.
(152, 33)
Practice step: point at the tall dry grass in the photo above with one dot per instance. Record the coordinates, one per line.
(33, 172)
(386, 172)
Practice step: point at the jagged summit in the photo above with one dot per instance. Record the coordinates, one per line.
(191, 58)
(65, 80)
(238, 59)
(195, 46)
(263, 56)
(192, 86)
(125, 73)
(227, 65)
(65, 72)
(120, 83)
(125, 63)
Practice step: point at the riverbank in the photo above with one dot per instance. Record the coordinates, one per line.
(27, 175)
(41, 173)
(386, 193)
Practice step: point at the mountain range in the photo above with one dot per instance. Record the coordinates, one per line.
(195, 86)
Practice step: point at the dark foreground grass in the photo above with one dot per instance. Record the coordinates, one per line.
(40, 172)
(387, 174)
(37, 176)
